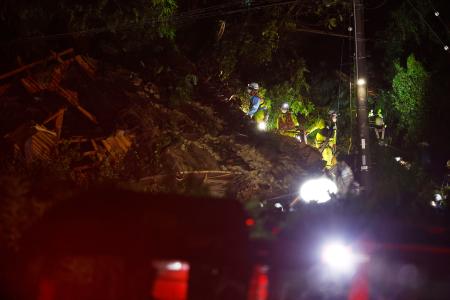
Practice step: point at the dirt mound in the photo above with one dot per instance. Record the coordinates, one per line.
(199, 144)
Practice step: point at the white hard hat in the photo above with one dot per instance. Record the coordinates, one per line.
(285, 105)
(253, 86)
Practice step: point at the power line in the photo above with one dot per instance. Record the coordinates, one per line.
(182, 18)
(222, 9)
(428, 25)
(382, 3)
(153, 21)
(438, 15)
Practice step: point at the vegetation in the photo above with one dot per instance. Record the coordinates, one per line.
(409, 91)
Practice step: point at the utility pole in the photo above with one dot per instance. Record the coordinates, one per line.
(361, 92)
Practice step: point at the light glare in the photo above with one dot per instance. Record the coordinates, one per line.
(262, 126)
(339, 257)
(319, 190)
(361, 81)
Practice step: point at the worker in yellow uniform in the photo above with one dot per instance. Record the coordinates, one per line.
(325, 140)
(286, 122)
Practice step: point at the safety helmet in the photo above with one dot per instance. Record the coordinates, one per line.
(253, 86)
(284, 107)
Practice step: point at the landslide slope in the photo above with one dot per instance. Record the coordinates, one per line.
(196, 144)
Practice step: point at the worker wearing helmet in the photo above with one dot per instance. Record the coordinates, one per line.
(258, 110)
(325, 140)
(255, 99)
(286, 122)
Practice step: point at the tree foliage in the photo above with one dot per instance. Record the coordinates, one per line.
(409, 91)
(129, 23)
(293, 91)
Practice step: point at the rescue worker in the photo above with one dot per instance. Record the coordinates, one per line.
(255, 99)
(286, 123)
(343, 176)
(258, 110)
(378, 125)
(325, 140)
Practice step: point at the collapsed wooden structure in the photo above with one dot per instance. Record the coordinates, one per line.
(36, 141)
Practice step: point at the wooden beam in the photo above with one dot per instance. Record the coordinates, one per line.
(36, 63)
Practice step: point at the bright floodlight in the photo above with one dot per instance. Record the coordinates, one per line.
(398, 158)
(361, 81)
(319, 190)
(339, 257)
(262, 126)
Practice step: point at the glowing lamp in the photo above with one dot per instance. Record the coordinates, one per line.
(339, 257)
(262, 126)
(361, 81)
(319, 190)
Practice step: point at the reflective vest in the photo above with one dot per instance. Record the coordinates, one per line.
(286, 121)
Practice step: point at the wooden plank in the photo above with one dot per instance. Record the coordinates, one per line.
(94, 145)
(72, 98)
(32, 65)
(60, 111)
(39, 145)
(86, 64)
(57, 75)
(59, 122)
(32, 85)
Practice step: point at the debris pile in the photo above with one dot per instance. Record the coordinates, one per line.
(37, 140)
(203, 145)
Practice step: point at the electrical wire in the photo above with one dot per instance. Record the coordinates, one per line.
(221, 9)
(437, 14)
(183, 18)
(428, 25)
(382, 3)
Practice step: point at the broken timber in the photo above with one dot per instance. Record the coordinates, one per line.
(33, 141)
(34, 64)
(34, 86)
